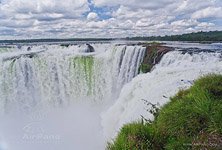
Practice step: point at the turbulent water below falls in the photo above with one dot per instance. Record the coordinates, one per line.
(55, 97)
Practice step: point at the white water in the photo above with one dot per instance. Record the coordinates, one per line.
(175, 71)
(62, 98)
(51, 97)
(60, 76)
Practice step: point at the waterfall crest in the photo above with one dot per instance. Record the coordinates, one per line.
(57, 76)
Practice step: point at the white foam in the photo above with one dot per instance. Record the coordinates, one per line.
(175, 71)
(58, 95)
(53, 100)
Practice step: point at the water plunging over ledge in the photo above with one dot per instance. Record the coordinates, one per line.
(58, 76)
(67, 97)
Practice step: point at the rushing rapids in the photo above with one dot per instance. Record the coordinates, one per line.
(78, 97)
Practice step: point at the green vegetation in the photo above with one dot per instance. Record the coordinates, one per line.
(154, 53)
(198, 37)
(191, 120)
(150, 55)
(134, 136)
(144, 68)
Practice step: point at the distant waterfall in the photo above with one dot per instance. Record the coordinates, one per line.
(59, 76)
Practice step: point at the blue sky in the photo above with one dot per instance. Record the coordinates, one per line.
(102, 12)
(21, 19)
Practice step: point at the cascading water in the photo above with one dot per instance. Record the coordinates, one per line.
(51, 97)
(54, 97)
(175, 71)
(59, 76)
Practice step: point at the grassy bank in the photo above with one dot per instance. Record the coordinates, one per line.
(191, 120)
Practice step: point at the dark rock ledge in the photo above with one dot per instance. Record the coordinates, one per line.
(153, 54)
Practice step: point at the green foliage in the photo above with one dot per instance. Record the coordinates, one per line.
(212, 84)
(144, 68)
(199, 37)
(149, 58)
(133, 136)
(191, 120)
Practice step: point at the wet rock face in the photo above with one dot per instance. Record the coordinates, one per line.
(29, 49)
(19, 46)
(153, 55)
(89, 49)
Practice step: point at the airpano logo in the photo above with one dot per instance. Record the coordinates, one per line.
(36, 131)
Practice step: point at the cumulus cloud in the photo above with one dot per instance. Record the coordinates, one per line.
(151, 4)
(106, 18)
(92, 16)
(209, 12)
(45, 6)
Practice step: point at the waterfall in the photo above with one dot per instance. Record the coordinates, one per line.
(70, 97)
(57, 76)
(174, 72)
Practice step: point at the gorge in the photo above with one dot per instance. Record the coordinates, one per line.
(69, 97)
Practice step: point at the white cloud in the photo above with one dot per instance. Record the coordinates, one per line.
(149, 4)
(97, 24)
(111, 18)
(92, 16)
(185, 23)
(67, 8)
(128, 13)
(215, 12)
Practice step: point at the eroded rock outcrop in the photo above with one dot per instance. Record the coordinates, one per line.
(154, 53)
(89, 49)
